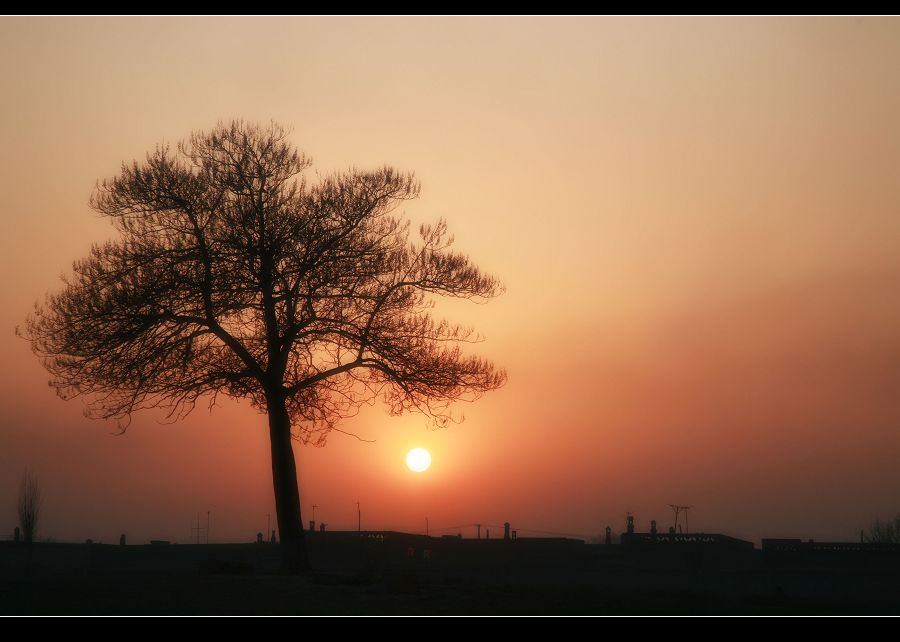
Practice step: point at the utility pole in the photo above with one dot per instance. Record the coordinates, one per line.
(315, 506)
(207, 528)
(268, 524)
(677, 509)
(358, 518)
(478, 531)
(426, 527)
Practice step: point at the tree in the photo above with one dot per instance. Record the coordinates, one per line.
(28, 505)
(232, 275)
(884, 532)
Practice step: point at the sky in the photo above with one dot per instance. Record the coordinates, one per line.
(696, 220)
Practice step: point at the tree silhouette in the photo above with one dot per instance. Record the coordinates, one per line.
(28, 505)
(884, 531)
(232, 275)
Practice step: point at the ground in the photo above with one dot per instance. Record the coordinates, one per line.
(376, 578)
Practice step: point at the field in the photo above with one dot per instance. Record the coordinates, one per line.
(393, 577)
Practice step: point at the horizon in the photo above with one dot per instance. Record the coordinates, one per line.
(694, 218)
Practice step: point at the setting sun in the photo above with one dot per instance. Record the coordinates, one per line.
(418, 460)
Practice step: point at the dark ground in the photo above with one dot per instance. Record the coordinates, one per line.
(273, 595)
(395, 576)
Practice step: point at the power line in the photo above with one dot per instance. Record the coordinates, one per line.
(453, 528)
(500, 527)
(534, 530)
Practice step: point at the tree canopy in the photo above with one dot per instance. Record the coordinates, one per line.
(234, 276)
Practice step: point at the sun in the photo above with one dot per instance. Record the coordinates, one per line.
(418, 460)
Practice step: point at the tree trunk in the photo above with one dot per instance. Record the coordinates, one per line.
(294, 558)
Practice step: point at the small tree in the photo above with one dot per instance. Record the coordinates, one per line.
(233, 276)
(884, 532)
(28, 505)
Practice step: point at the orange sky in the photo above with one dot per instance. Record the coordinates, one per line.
(696, 220)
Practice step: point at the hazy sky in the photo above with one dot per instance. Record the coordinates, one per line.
(697, 221)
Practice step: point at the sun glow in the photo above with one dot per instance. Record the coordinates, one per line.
(418, 460)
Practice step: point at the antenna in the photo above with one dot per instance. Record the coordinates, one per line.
(197, 529)
(677, 509)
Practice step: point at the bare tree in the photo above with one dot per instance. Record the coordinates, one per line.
(28, 505)
(884, 532)
(234, 276)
